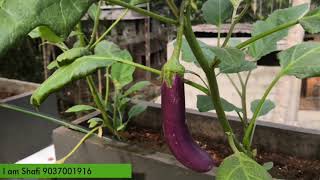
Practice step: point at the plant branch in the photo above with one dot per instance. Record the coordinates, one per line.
(42, 116)
(267, 33)
(234, 23)
(158, 72)
(144, 12)
(98, 102)
(106, 98)
(173, 8)
(109, 29)
(193, 73)
(231, 142)
(244, 99)
(214, 90)
(62, 160)
(115, 104)
(234, 85)
(247, 140)
(95, 25)
(197, 86)
(80, 35)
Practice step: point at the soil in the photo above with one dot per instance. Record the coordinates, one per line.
(285, 166)
(4, 95)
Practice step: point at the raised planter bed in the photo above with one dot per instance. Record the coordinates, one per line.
(153, 165)
(20, 134)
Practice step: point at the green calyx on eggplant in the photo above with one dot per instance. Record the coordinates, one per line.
(170, 69)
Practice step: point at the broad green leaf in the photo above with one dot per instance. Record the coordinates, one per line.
(35, 33)
(80, 108)
(268, 44)
(311, 21)
(266, 108)
(137, 87)
(136, 110)
(47, 34)
(93, 10)
(268, 165)
(204, 104)
(19, 17)
(71, 55)
(233, 42)
(93, 122)
(106, 47)
(217, 11)
(301, 60)
(239, 166)
(121, 74)
(80, 68)
(232, 60)
(187, 54)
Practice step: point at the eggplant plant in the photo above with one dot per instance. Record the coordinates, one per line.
(55, 20)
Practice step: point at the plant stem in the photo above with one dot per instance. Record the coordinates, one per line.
(193, 43)
(80, 34)
(193, 73)
(173, 8)
(114, 119)
(267, 33)
(95, 25)
(106, 98)
(243, 97)
(144, 12)
(247, 140)
(180, 30)
(96, 96)
(219, 35)
(197, 86)
(98, 102)
(214, 90)
(231, 142)
(109, 29)
(155, 71)
(42, 116)
(62, 160)
(234, 85)
(241, 119)
(234, 23)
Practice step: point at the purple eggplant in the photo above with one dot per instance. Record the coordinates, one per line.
(175, 129)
